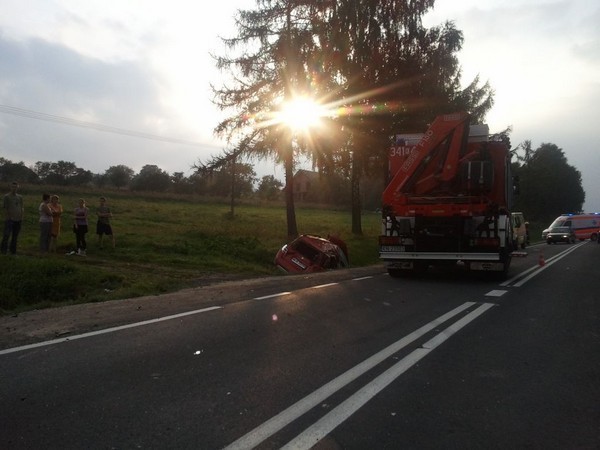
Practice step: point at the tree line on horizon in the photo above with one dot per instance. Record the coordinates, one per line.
(548, 184)
(238, 180)
(150, 178)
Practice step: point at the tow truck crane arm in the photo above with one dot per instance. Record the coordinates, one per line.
(434, 160)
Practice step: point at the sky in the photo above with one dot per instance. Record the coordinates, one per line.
(145, 66)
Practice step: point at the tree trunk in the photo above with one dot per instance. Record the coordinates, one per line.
(292, 228)
(232, 210)
(356, 203)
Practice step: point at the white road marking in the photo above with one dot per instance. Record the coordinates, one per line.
(276, 423)
(312, 435)
(496, 293)
(528, 274)
(107, 330)
(321, 286)
(362, 278)
(279, 294)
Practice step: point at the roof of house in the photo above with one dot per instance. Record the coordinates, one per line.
(307, 173)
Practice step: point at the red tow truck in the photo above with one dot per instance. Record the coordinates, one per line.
(448, 201)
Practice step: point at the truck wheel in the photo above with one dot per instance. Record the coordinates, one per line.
(506, 259)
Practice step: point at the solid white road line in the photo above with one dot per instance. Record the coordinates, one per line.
(279, 294)
(321, 286)
(537, 268)
(330, 421)
(553, 260)
(107, 330)
(276, 423)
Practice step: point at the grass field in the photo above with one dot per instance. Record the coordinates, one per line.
(163, 243)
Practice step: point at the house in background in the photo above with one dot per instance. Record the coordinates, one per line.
(304, 181)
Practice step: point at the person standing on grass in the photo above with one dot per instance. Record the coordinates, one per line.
(103, 226)
(57, 210)
(81, 227)
(13, 217)
(45, 223)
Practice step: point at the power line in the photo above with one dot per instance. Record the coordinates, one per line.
(91, 125)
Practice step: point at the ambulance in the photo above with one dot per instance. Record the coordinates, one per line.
(585, 226)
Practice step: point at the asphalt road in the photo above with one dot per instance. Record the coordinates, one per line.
(351, 359)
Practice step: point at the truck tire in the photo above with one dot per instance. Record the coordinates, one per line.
(505, 259)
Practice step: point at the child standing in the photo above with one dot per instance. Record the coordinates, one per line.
(103, 226)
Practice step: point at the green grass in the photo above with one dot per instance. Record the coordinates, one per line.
(163, 243)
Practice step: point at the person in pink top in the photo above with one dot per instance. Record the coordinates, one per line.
(57, 210)
(45, 223)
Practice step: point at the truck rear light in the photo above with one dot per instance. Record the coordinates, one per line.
(487, 242)
(389, 240)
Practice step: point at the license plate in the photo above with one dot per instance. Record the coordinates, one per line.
(486, 266)
(392, 248)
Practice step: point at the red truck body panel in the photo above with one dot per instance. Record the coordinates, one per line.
(448, 200)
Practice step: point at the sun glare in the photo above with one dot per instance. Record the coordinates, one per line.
(301, 114)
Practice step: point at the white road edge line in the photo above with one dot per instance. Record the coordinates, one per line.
(105, 331)
(313, 434)
(362, 278)
(321, 286)
(279, 294)
(276, 423)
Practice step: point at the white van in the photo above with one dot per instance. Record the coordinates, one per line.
(520, 231)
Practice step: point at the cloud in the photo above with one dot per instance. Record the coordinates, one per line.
(50, 78)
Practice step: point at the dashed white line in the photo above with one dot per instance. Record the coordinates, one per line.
(107, 330)
(496, 293)
(321, 286)
(279, 294)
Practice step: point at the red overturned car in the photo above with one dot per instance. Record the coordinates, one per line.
(309, 253)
